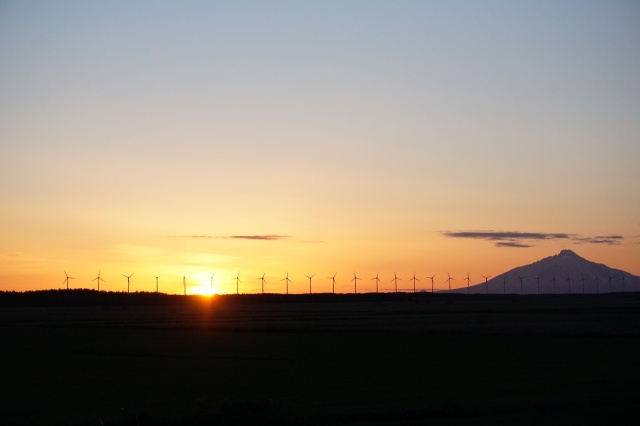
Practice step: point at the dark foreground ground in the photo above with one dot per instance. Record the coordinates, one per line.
(319, 360)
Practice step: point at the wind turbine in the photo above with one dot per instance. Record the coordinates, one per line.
(211, 282)
(449, 281)
(156, 283)
(355, 283)
(521, 279)
(431, 278)
(97, 278)
(610, 288)
(310, 277)
(238, 283)
(582, 283)
(377, 281)
(504, 284)
(538, 280)
(286, 279)
(468, 280)
(395, 280)
(624, 287)
(184, 283)
(569, 280)
(414, 279)
(128, 277)
(67, 278)
(486, 286)
(333, 283)
(554, 284)
(597, 286)
(263, 281)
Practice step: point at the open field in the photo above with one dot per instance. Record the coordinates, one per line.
(357, 359)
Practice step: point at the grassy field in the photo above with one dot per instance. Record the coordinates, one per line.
(429, 359)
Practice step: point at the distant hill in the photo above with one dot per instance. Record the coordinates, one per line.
(572, 273)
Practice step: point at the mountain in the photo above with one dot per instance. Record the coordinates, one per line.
(571, 273)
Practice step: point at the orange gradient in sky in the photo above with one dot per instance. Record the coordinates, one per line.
(138, 145)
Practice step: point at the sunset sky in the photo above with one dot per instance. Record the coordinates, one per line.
(185, 138)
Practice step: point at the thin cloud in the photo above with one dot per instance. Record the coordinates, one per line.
(517, 239)
(259, 237)
(236, 237)
(602, 239)
(513, 244)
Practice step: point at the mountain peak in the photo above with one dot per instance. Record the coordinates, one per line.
(567, 253)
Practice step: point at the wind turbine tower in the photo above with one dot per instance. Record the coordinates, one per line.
(582, 279)
(211, 282)
(310, 278)
(569, 281)
(395, 280)
(486, 286)
(414, 279)
(504, 284)
(156, 283)
(538, 280)
(128, 277)
(355, 283)
(333, 283)
(431, 278)
(286, 280)
(449, 279)
(67, 278)
(597, 285)
(468, 280)
(263, 281)
(238, 283)
(99, 279)
(377, 281)
(184, 283)
(521, 279)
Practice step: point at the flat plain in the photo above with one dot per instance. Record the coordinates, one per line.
(78, 358)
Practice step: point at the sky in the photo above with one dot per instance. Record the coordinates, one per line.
(185, 139)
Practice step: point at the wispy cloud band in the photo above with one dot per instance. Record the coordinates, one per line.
(236, 237)
(517, 239)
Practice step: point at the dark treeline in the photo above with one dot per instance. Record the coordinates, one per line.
(86, 297)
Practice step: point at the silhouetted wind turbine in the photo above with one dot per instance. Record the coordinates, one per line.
(184, 283)
(355, 283)
(468, 280)
(286, 279)
(263, 281)
(624, 287)
(449, 281)
(431, 278)
(554, 284)
(99, 279)
(414, 279)
(67, 278)
(504, 284)
(156, 284)
(610, 287)
(333, 283)
(582, 283)
(486, 285)
(310, 278)
(128, 277)
(521, 279)
(597, 285)
(377, 281)
(395, 280)
(238, 283)
(569, 280)
(211, 282)
(538, 280)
